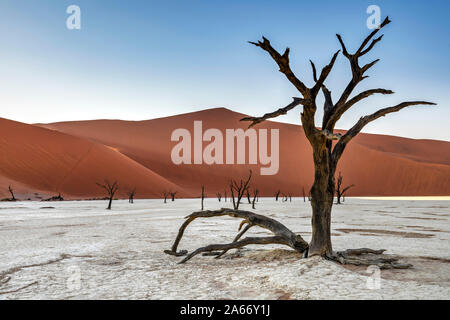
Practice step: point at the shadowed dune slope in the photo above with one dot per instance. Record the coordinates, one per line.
(48, 162)
(378, 165)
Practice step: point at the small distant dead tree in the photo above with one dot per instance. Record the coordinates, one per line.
(239, 189)
(172, 195)
(340, 193)
(290, 197)
(165, 195)
(225, 195)
(304, 195)
(203, 196)
(111, 189)
(326, 155)
(255, 197)
(131, 194)
(219, 196)
(13, 198)
(54, 198)
(277, 194)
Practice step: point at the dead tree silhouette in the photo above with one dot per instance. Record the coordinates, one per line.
(165, 195)
(203, 196)
(111, 189)
(277, 194)
(10, 189)
(340, 193)
(131, 194)
(240, 189)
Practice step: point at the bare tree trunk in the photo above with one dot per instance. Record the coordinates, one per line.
(13, 198)
(109, 204)
(304, 196)
(277, 194)
(203, 195)
(248, 197)
(255, 197)
(322, 195)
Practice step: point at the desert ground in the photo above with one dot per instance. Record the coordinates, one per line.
(79, 250)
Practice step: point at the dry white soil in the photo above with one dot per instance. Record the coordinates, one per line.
(79, 250)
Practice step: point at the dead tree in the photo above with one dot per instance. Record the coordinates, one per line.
(277, 194)
(10, 189)
(240, 189)
(203, 195)
(111, 189)
(219, 196)
(339, 191)
(290, 197)
(255, 197)
(54, 198)
(131, 194)
(165, 195)
(326, 155)
(172, 195)
(304, 196)
(225, 195)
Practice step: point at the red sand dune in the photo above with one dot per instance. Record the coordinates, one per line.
(378, 165)
(47, 162)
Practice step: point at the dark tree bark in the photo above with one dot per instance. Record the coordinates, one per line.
(172, 195)
(10, 189)
(324, 155)
(277, 194)
(131, 194)
(111, 189)
(203, 196)
(340, 192)
(282, 235)
(255, 197)
(304, 196)
(248, 196)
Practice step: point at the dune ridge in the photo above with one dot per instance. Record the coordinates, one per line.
(67, 157)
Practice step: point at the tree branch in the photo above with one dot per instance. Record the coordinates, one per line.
(340, 146)
(283, 64)
(340, 111)
(323, 75)
(281, 111)
(357, 73)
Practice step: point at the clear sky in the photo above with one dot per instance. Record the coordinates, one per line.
(139, 60)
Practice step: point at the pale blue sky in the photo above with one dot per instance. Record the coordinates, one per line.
(138, 60)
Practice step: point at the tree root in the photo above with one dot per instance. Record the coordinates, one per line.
(367, 257)
(282, 235)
